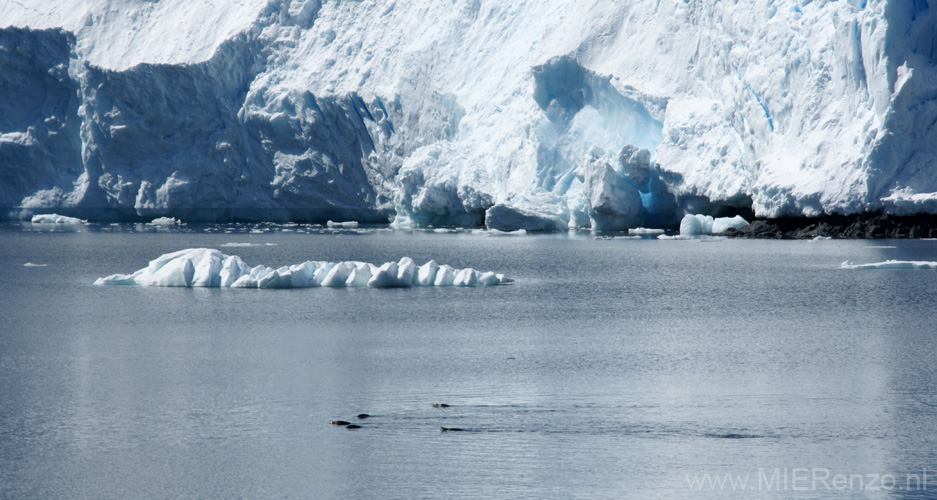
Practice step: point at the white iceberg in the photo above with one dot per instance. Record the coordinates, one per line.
(55, 219)
(343, 225)
(164, 221)
(235, 244)
(495, 232)
(892, 264)
(696, 225)
(645, 231)
(206, 267)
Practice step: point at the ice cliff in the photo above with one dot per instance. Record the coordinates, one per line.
(538, 115)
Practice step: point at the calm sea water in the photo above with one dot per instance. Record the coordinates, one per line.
(610, 369)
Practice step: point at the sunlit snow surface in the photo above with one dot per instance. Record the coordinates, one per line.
(892, 264)
(205, 267)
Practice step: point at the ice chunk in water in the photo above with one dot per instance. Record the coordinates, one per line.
(55, 219)
(696, 225)
(892, 264)
(205, 267)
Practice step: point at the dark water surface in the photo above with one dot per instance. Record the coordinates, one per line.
(609, 369)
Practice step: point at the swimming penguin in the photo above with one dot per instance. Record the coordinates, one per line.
(363, 415)
(440, 405)
(353, 426)
(340, 422)
(450, 429)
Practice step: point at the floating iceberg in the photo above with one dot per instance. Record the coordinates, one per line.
(164, 221)
(205, 267)
(243, 245)
(495, 232)
(693, 225)
(55, 219)
(344, 225)
(892, 264)
(645, 231)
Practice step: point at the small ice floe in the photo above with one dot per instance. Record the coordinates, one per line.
(891, 264)
(496, 232)
(645, 231)
(164, 221)
(205, 267)
(518, 232)
(246, 245)
(342, 225)
(822, 238)
(30, 264)
(55, 219)
(629, 237)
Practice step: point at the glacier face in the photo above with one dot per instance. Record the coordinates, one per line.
(537, 115)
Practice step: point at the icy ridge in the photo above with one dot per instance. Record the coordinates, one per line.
(535, 115)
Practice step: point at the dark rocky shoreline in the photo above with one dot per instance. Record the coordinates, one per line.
(858, 226)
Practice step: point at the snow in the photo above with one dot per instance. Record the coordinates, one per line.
(540, 115)
(120, 35)
(55, 219)
(891, 264)
(205, 267)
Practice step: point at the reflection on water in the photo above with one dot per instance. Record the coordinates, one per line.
(609, 369)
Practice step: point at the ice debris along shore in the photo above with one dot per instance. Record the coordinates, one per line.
(891, 264)
(206, 267)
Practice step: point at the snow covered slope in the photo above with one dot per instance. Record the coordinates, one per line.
(530, 114)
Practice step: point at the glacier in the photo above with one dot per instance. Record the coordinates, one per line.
(534, 115)
(207, 267)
